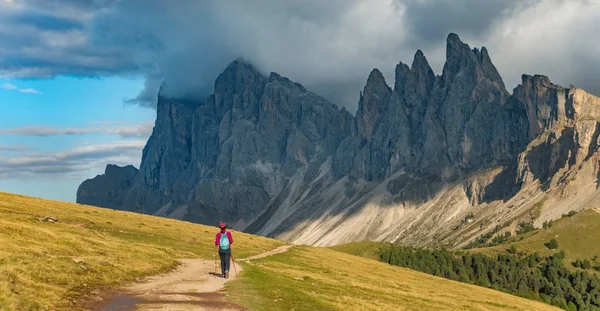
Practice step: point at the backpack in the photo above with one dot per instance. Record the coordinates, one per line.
(224, 243)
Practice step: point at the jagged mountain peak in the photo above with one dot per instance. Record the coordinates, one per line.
(376, 78)
(241, 63)
(419, 54)
(455, 48)
(239, 72)
(453, 38)
(271, 157)
(420, 62)
(474, 63)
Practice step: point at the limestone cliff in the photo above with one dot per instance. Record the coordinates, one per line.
(271, 157)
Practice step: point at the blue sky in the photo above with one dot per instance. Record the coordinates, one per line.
(79, 78)
(37, 122)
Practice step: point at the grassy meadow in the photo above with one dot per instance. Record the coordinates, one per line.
(363, 249)
(309, 278)
(46, 265)
(578, 236)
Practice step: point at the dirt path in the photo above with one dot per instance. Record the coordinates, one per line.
(279, 250)
(193, 286)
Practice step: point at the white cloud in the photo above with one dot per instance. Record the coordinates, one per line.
(556, 38)
(75, 163)
(32, 91)
(14, 148)
(127, 131)
(9, 86)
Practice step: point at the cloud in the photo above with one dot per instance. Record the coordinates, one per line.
(14, 148)
(473, 18)
(72, 163)
(9, 86)
(126, 131)
(45, 21)
(32, 91)
(329, 46)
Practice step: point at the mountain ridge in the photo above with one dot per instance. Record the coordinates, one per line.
(273, 158)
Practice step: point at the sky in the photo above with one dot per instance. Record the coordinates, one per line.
(79, 78)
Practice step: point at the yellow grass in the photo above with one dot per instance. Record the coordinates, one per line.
(363, 249)
(54, 265)
(578, 236)
(332, 280)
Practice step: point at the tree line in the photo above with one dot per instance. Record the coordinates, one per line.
(540, 278)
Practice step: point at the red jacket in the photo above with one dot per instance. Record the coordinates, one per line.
(218, 239)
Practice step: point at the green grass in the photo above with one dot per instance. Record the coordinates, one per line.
(40, 265)
(38, 260)
(332, 280)
(577, 236)
(363, 249)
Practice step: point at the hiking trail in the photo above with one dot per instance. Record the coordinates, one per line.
(193, 286)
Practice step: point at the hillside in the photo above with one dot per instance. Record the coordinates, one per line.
(61, 264)
(577, 236)
(56, 264)
(527, 265)
(330, 280)
(418, 156)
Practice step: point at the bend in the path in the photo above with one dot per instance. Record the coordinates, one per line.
(193, 286)
(279, 250)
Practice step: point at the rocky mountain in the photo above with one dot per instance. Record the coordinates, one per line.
(271, 157)
(108, 190)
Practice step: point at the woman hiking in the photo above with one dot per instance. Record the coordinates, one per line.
(223, 243)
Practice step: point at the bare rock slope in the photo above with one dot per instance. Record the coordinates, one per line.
(417, 158)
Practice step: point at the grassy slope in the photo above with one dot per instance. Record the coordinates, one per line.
(578, 236)
(36, 258)
(337, 281)
(37, 267)
(363, 249)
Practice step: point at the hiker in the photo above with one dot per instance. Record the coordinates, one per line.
(223, 242)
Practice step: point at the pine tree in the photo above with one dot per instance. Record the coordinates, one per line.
(534, 277)
(553, 244)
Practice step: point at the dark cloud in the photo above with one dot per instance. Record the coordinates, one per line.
(329, 46)
(52, 5)
(72, 163)
(43, 39)
(431, 21)
(45, 21)
(148, 95)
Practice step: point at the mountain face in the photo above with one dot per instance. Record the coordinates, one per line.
(271, 157)
(108, 190)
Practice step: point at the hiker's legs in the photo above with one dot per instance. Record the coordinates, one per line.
(222, 255)
(225, 259)
(228, 261)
